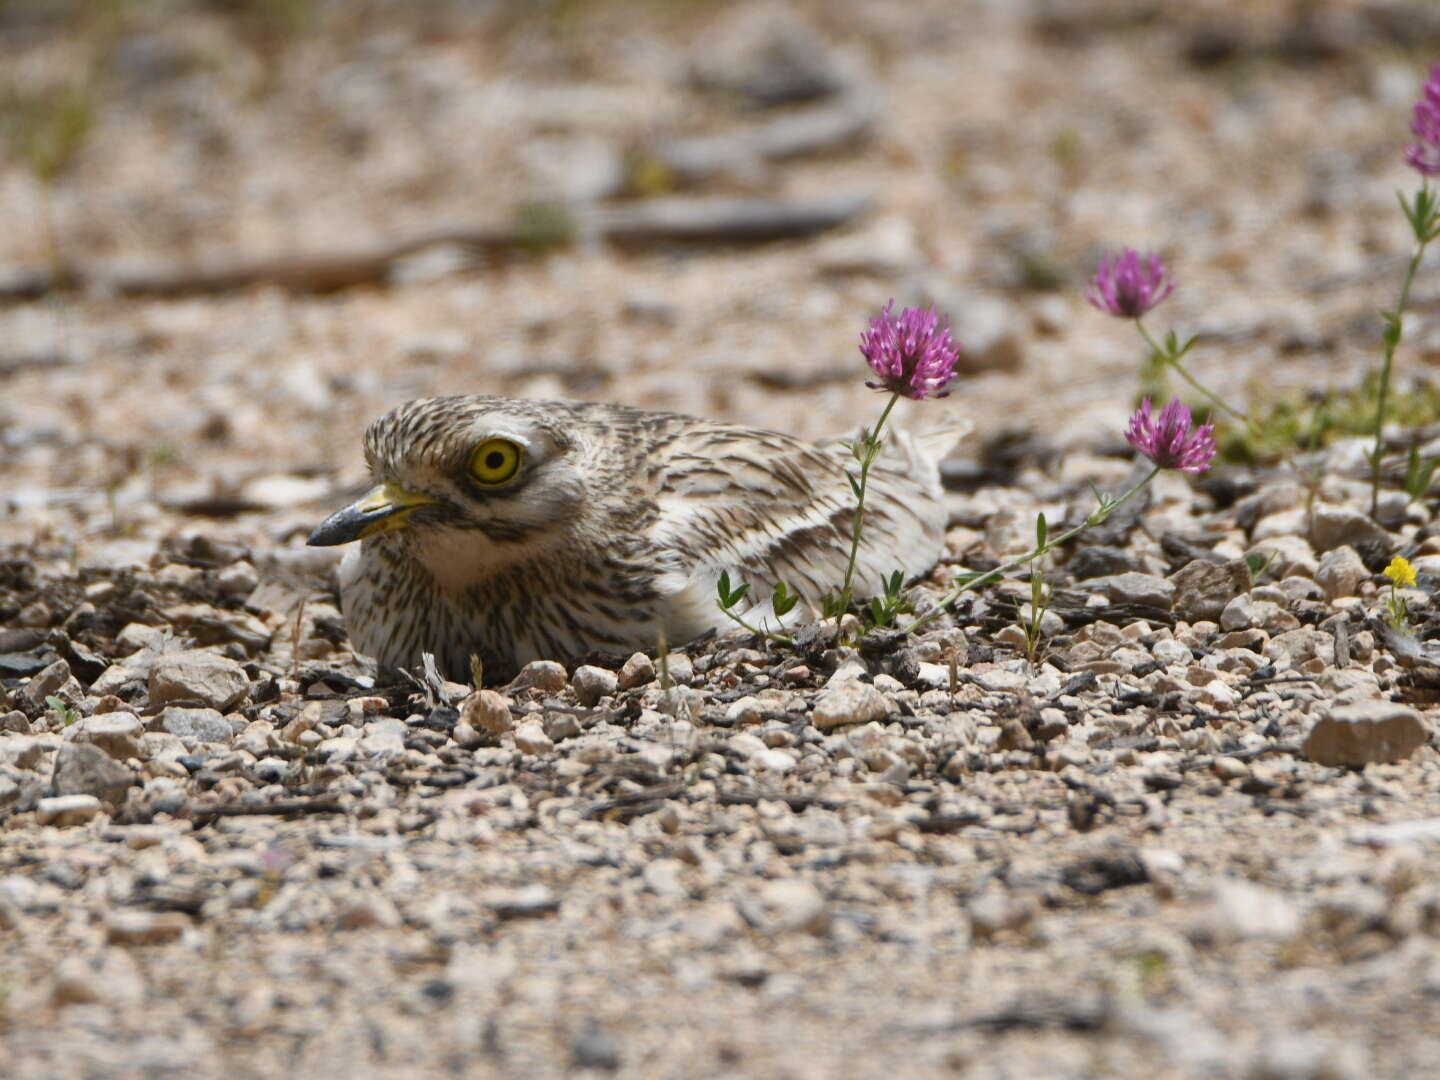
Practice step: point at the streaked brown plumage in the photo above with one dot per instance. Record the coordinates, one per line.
(611, 532)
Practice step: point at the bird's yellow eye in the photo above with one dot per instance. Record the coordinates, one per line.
(495, 461)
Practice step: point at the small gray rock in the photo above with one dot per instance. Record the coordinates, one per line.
(1365, 732)
(1299, 645)
(1245, 612)
(82, 769)
(745, 711)
(49, 682)
(67, 810)
(530, 738)
(560, 726)
(682, 703)
(1099, 560)
(115, 677)
(197, 675)
(385, 736)
(849, 703)
(1340, 572)
(595, 1048)
(1335, 526)
(541, 675)
(203, 725)
(118, 733)
(526, 902)
(786, 906)
(1146, 590)
(680, 669)
(488, 711)
(593, 683)
(1203, 588)
(1169, 651)
(23, 751)
(637, 671)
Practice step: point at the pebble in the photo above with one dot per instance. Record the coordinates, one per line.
(202, 725)
(849, 703)
(544, 675)
(787, 906)
(528, 901)
(67, 810)
(1336, 526)
(1285, 555)
(1340, 572)
(1144, 590)
(594, 1047)
(744, 711)
(1169, 651)
(145, 927)
(25, 751)
(198, 676)
(117, 733)
(1202, 588)
(1230, 768)
(679, 669)
(560, 726)
(1242, 911)
(82, 769)
(52, 681)
(384, 737)
(488, 711)
(995, 909)
(1364, 732)
(1098, 561)
(1245, 613)
(530, 738)
(76, 982)
(636, 671)
(593, 683)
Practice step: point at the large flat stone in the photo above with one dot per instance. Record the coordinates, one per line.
(1365, 732)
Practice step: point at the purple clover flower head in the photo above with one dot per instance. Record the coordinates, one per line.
(911, 352)
(1171, 440)
(1424, 156)
(1127, 287)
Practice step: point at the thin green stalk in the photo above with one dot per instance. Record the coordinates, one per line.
(1174, 362)
(766, 635)
(1099, 514)
(1392, 342)
(871, 442)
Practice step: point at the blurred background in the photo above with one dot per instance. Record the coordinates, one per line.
(236, 230)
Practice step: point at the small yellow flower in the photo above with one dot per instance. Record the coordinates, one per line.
(1401, 572)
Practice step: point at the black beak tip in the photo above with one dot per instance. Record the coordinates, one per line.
(335, 530)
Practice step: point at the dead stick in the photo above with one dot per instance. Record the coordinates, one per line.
(656, 222)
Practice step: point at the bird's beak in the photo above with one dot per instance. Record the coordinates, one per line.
(382, 509)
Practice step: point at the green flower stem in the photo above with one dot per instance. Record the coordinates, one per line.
(766, 635)
(1099, 514)
(871, 444)
(1392, 342)
(1174, 362)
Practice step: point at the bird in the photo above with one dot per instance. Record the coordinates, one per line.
(519, 530)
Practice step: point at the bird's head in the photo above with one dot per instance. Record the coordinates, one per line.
(488, 476)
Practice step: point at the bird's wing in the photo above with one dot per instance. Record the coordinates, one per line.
(767, 508)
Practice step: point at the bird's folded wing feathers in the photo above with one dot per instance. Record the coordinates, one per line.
(765, 508)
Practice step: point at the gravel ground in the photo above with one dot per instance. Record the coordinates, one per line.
(1193, 837)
